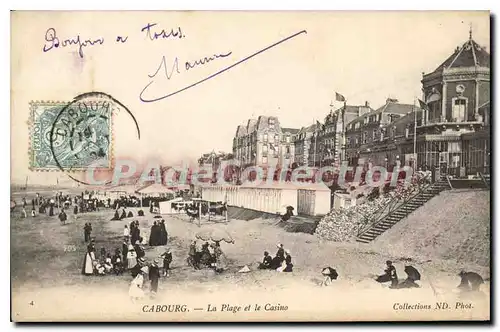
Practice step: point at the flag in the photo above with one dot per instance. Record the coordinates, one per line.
(339, 97)
(423, 105)
(319, 126)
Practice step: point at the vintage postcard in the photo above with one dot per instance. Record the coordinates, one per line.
(250, 166)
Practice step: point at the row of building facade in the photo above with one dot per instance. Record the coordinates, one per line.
(449, 128)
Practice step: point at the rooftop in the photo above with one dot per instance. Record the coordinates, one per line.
(470, 54)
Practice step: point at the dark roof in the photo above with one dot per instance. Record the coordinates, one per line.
(292, 131)
(471, 54)
(407, 118)
(391, 107)
(241, 131)
(308, 129)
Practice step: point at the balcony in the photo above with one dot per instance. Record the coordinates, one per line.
(454, 122)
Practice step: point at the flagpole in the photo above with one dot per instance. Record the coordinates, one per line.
(415, 134)
(343, 132)
(315, 141)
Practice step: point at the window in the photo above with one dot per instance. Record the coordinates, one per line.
(459, 110)
(264, 160)
(380, 117)
(381, 134)
(264, 148)
(435, 111)
(443, 157)
(374, 134)
(454, 147)
(276, 138)
(288, 138)
(364, 137)
(265, 137)
(287, 150)
(407, 132)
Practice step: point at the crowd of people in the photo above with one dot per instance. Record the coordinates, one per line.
(194, 209)
(210, 256)
(282, 261)
(131, 258)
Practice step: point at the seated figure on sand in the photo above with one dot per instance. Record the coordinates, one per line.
(412, 276)
(266, 261)
(279, 258)
(470, 281)
(330, 274)
(390, 274)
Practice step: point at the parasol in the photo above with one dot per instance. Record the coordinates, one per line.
(412, 273)
(215, 235)
(328, 271)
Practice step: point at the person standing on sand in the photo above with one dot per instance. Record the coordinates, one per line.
(131, 257)
(135, 290)
(126, 232)
(154, 276)
(86, 232)
(167, 259)
(163, 233)
(124, 253)
(63, 217)
(88, 262)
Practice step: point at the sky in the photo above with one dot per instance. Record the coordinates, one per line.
(365, 56)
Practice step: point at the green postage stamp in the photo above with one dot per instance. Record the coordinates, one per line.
(70, 136)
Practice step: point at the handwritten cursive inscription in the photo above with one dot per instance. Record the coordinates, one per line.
(52, 41)
(175, 68)
(152, 35)
(187, 65)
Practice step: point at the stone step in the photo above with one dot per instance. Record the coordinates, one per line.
(413, 206)
(366, 237)
(374, 234)
(362, 240)
(381, 230)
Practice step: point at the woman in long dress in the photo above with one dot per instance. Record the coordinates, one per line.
(88, 267)
(135, 290)
(131, 257)
(220, 259)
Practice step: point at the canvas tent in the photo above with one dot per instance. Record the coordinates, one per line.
(156, 189)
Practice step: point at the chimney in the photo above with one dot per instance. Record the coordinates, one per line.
(367, 104)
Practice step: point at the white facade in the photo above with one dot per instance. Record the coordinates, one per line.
(272, 197)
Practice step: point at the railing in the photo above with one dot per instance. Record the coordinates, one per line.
(394, 204)
(484, 180)
(449, 182)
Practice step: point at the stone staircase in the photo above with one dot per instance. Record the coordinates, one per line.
(388, 220)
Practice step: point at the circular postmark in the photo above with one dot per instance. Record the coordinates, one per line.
(81, 133)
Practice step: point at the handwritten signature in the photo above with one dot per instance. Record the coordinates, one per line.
(52, 41)
(189, 65)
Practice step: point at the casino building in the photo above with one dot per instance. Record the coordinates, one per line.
(454, 133)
